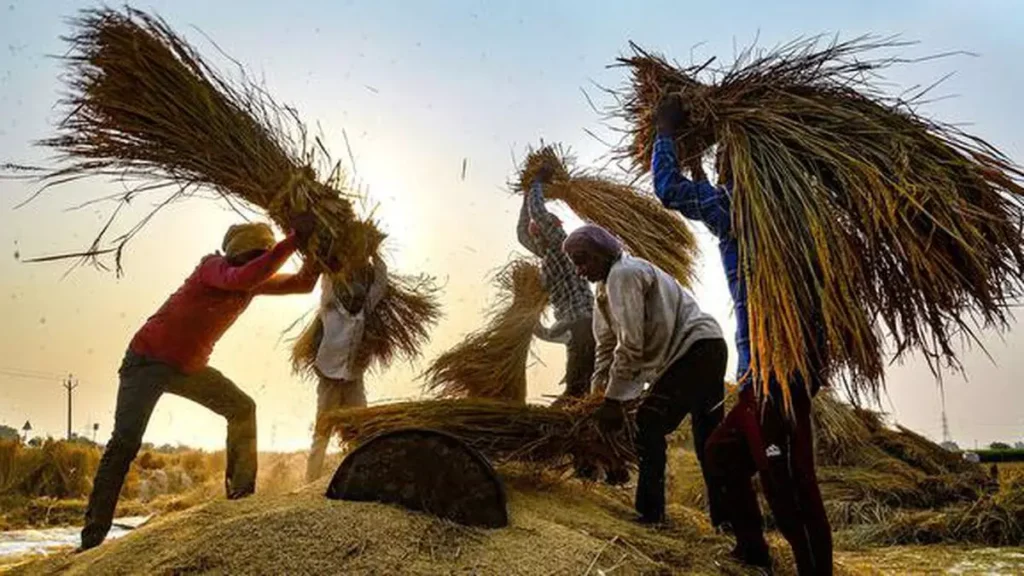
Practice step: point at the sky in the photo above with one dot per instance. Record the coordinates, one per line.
(416, 88)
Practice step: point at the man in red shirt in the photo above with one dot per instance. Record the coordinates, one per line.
(170, 354)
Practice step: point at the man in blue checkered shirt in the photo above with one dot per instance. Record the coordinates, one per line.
(758, 435)
(541, 233)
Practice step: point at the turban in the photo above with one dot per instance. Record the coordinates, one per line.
(242, 238)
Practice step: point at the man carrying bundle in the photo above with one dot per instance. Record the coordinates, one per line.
(541, 233)
(170, 354)
(344, 308)
(760, 434)
(650, 330)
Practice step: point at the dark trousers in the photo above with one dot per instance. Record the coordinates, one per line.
(143, 381)
(762, 438)
(579, 362)
(695, 385)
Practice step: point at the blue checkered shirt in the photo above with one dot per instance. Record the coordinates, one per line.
(711, 205)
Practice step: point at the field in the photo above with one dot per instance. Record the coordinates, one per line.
(48, 485)
(897, 507)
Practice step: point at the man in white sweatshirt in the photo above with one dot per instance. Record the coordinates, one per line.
(648, 329)
(344, 309)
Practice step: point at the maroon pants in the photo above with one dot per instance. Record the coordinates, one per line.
(761, 438)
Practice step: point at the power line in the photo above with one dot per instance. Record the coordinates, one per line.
(29, 373)
(12, 374)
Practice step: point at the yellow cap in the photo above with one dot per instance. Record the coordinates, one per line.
(242, 238)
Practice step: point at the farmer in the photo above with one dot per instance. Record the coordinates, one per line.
(650, 330)
(759, 435)
(339, 364)
(541, 233)
(170, 354)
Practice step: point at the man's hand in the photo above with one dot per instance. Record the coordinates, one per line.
(303, 225)
(670, 115)
(610, 416)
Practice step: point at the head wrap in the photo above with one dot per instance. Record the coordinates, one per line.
(593, 238)
(242, 238)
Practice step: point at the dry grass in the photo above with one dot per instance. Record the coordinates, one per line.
(48, 485)
(552, 438)
(388, 335)
(491, 362)
(882, 219)
(554, 529)
(144, 108)
(637, 219)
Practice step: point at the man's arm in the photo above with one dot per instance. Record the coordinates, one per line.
(380, 284)
(523, 227)
(604, 340)
(696, 200)
(626, 290)
(550, 228)
(224, 276)
(301, 282)
(558, 332)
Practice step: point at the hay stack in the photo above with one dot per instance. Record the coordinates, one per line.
(552, 438)
(144, 107)
(638, 220)
(491, 363)
(879, 217)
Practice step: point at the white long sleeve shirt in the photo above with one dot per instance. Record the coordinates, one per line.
(644, 321)
(338, 355)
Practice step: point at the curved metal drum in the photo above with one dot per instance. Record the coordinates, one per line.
(423, 470)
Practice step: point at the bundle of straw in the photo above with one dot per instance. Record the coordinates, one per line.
(144, 106)
(389, 332)
(853, 213)
(504, 432)
(638, 220)
(491, 363)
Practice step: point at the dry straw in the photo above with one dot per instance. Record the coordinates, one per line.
(491, 362)
(144, 107)
(397, 328)
(554, 438)
(854, 214)
(638, 220)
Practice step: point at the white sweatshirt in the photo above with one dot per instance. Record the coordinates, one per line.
(644, 321)
(343, 331)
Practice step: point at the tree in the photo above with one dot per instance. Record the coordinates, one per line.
(999, 446)
(8, 433)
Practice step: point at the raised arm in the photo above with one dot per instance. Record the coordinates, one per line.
(379, 288)
(696, 200)
(523, 227)
(301, 282)
(550, 227)
(219, 274)
(626, 290)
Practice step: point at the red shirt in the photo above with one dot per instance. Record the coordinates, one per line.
(184, 330)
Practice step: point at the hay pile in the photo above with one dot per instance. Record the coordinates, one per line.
(638, 220)
(881, 218)
(144, 108)
(554, 529)
(546, 437)
(886, 486)
(491, 363)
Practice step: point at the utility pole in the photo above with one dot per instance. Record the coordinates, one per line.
(70, 386)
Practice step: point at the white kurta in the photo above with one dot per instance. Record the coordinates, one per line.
(644, 322)
(343, 331)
